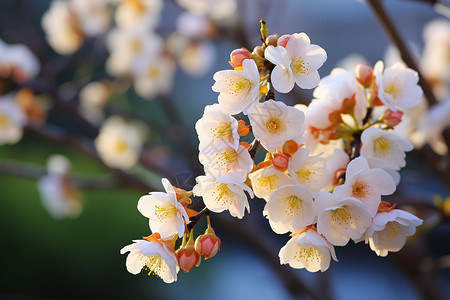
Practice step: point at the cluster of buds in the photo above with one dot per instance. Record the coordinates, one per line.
(327, 165)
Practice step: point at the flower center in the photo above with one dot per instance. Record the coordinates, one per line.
(229, 156)
(393, 90)
(242, 85)
(154, 73)
(381, 146)
(269, 183)
(274, 126)
(164, 212)
(293, 205)
(308, 254)
(222, 193)
(121, 146)
(360, 190)
(392, 229)
(4, 121)
(154, 265)
(340, 215)
(224, 131)
(299, 66)
(136, 46)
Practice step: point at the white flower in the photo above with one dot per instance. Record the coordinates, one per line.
(274, 123)
(216, 130)
(336, 93)
(397, 86)
(94, 16)
(266, 180)
(308, 250)
(154, 256)
(93, 98)
(18, 62)
(384, 149)
(154, 76)
(431, 126)
(58, 196)
(341, 219)
(129, 47)
(223, 195)
(297, 63)
(435, 63)
(215, 9)
(12, 120)
(230, 163)
(138, 13)
(308, 170)
(62, 28)
(239, 90)
(290, 208)
(166, 214)
(119, 143)
(389, 230)
(365, 184)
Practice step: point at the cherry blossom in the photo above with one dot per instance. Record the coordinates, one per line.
(274, 123)
(238, 90)
(308, 250)
(290, 208)
(154, 256)
(384, 149)
(296, 63)
(219, 195)
(166, 214)
(266, 180)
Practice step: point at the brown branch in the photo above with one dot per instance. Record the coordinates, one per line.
(194, 219)
(394, 35)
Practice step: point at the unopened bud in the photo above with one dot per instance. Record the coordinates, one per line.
(243, 129)
(208, 243)
(237, 56)
(392, 118)
(283, 40)
(280, 161)
(271, 40)
(258, 51)
(364, 75)
(187, 256)
(290, 147)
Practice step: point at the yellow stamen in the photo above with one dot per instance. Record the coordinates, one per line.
(242, 85)
(293, 205)
(340, 215)
(308, 254)
(392, 229)
(164, 212)
(224, 131)
(270, 183)
(360, 190)
(275, 126)
(136, 46)
(304, 174)
(393, 90)
(154, 264)
(4, 121)
(381, 146)
(229, 156)
(299, 66)
(154, 73)
(223, 193)
(121, 146)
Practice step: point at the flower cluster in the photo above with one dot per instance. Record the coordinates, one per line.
(326, 166)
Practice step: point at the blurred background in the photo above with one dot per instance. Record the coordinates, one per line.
(43, 257)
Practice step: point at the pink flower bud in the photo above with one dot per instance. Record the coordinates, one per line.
(208, 243)
(280, 161)
(392, 118)
(283, 40)
(271, 40)
(364, 75)
(187, 256)
(237, 56)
